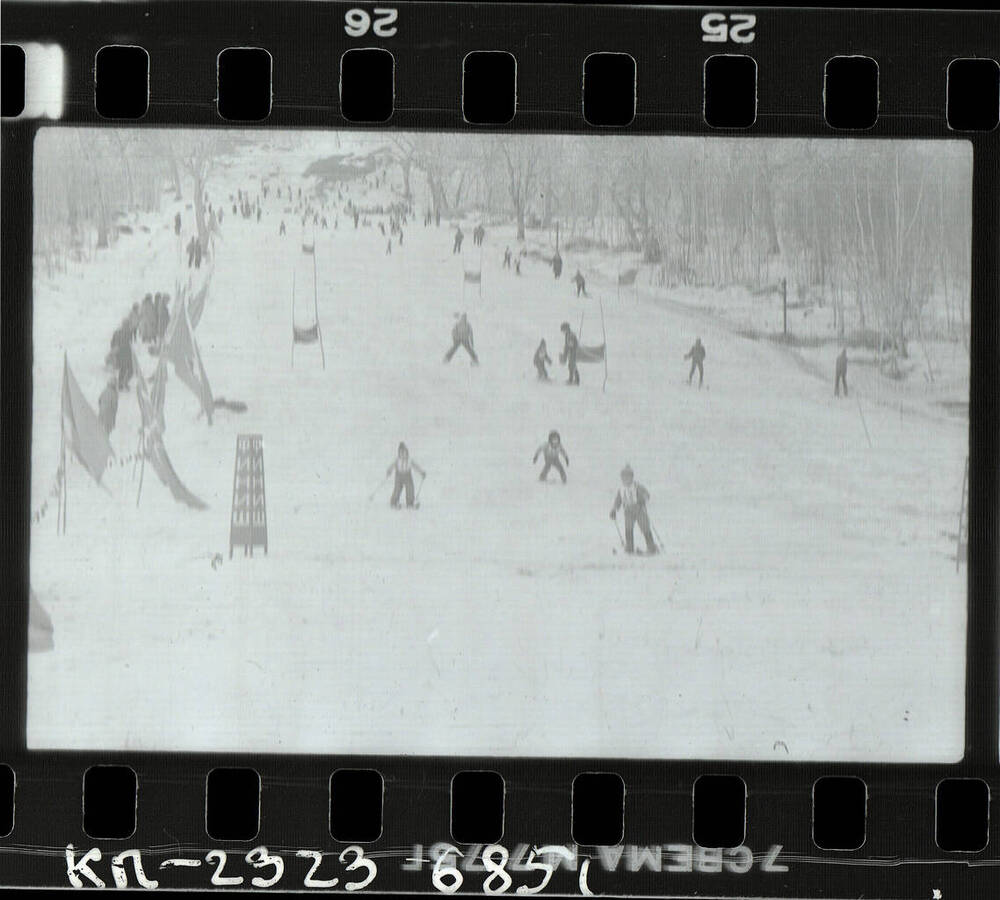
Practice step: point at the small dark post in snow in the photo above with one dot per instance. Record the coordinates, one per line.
(784, 306)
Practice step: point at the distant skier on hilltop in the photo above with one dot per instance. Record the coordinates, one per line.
(697, 356)
(841, 373)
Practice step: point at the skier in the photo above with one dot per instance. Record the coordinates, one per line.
(147, 318)
(506, 258)
(697, 356)
(517, 265)
(107, 406)
(461, 336)
(632, 496)
(131, 322)
(402, 465)
(541, 358)
(568, 355)
(457, 248)
(281, 230)
(552, 450)
(177, 224)
(841, 376)
(581, 284)
(123, 360)
(388, 248)
(557, 265)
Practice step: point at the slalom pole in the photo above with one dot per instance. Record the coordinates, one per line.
(319, 329)
(604, 335)
(142, 471)
(293, 318)
(865, 424)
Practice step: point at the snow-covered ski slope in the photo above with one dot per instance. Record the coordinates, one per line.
(807, 594)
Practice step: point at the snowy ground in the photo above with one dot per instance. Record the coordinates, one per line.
(808, 593)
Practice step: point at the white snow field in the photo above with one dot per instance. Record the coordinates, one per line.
(806, 607)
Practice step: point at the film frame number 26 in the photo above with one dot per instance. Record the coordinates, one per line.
(358, 21)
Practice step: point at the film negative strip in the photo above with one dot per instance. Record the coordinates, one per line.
(307, 309)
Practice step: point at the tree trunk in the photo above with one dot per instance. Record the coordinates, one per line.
(406, 164)
(199, 208)
(520, 223)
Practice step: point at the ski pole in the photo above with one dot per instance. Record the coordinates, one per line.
(420, 487)
(621, 540)
(371, 496)
(656, 534)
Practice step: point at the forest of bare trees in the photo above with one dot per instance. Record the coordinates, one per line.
(879, 231)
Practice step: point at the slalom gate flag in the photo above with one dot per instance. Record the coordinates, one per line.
(182, 350)
(197, 305)
(81, 428)
(474, 277)
(305, 335)
(156, 453)
(159, 392)
(590, 354)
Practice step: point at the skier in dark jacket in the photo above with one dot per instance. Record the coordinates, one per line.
(541, 358)
(581, 284)
(632, 497)
(841, 374)
(557, 265)
(404, 467)
(457, 248)
(697, 356)
(552, 449)
(506, 258)
(147, 318)
(568, 354)
(107, 406)
(123, 361)
(461, 336)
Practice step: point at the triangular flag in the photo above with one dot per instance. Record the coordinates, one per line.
(156, 453)
(182, 350)
(81, 428)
